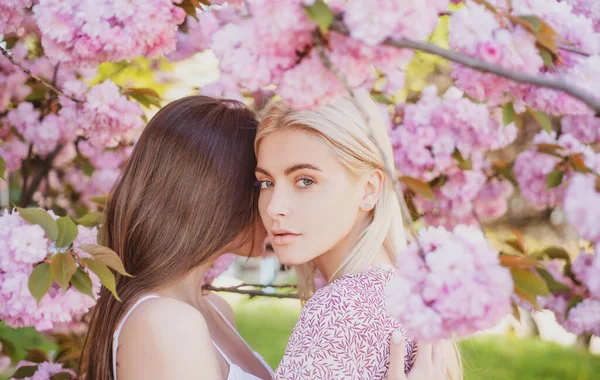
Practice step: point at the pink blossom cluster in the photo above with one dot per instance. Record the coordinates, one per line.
(584, 317)
(458, 287)
(585, 128)
(44, 133)
(257, 51)
(88, 32)
(12, 79)
(532, 168)
(589, 9)
(586, 269)
(435, 127)
(392, 18)
(264, 50)
(13, 151)
(584, 73)
(477, 32)
(580, 195)
(46, 370)
(218, 268)
(491, 201)
(12, 14)
(23, 245)
(105, 116)
(197, 35)
(454, 200)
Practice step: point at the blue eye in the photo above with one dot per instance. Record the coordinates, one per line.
(304, 182)
(264, 184)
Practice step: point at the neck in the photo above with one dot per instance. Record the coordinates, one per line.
(329, 262)
(189, 288)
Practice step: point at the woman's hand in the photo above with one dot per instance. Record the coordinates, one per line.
(429, 364)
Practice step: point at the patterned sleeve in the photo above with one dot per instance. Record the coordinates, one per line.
(343, 333)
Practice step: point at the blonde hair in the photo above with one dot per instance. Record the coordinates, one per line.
(342, 126)
(349, 125)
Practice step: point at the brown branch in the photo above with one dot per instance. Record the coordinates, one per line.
(285, 286)
(47, 84)
(253, 293)
(27, 194)
(476, 64)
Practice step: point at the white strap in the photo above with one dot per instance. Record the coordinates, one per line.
(118, 331)
(265, 364)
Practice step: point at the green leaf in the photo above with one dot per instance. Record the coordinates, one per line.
(106, 256)
(543, 120)
(146, 96)
(90, 219)
(516, 244)
(61, 376)
(41, 218)
(508, 113)
(551, 149)
(546, 57)
(40, 280)
(557, 253)
(418, 187)
(553, 285)
(320, 13)
(82, 282)
(554, 178)
(463, 163)
(572, 303)
(67, 231)
(529, 282)
(8, 347)
(104, 274)
(516, 312)
(189, 8)
(98, 200)
(534, 21)
(63, 267)
(2, 168)
(25, 371)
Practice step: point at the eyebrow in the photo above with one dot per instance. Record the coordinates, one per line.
(291, 169)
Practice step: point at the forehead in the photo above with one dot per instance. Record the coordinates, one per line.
(292, 146)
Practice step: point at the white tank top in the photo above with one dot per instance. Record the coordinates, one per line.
(235, 372)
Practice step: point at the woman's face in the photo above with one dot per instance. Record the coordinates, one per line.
(308, 202)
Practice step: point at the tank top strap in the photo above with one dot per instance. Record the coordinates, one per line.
(117, 332)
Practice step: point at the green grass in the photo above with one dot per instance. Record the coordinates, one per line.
(267, 323)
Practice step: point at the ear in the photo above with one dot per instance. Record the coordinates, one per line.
(373, 187)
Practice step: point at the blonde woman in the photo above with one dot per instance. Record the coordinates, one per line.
(327, 205)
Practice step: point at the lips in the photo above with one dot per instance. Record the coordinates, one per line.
(283, 237)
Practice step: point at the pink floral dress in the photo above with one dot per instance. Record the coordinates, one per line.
(344, 332)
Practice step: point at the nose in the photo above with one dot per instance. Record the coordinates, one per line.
(278, 204)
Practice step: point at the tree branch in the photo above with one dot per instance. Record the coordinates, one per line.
(476, 64)
(253, 293)
(47, 84)
(27, 195)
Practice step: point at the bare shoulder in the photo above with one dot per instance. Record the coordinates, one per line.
(223, 306)
(152, 315)
(164, 338)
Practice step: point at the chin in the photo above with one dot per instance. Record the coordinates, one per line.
(290, 257)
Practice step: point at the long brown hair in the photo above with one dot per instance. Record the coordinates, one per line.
(186, 192)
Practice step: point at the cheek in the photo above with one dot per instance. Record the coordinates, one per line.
(332, 217)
